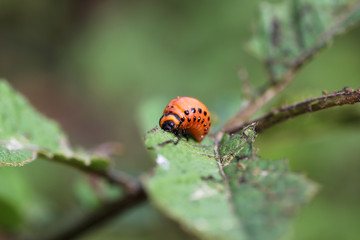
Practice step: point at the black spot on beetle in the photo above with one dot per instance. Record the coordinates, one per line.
(205, 113)
(194, 118)
(186, 112)
(199, 119)
(193, 110)
(199, 110)
(183, 119)
(202, 121)
(189, 119)
(205, 124)
(172, 106)
(208, 118)
(206, 129)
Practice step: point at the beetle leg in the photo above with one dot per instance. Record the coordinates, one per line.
(177, 141)
(166, 142)
(178, 135)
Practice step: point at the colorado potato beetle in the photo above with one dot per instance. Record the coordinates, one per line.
(186, 116)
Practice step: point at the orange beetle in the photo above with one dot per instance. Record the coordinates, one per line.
(186, 116)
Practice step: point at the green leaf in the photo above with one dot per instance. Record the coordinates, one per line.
(15, 157)
(227, 193)
(264, 193)
(188, 187)
(26, 135)
(291, 31)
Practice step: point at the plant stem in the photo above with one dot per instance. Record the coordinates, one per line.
(134, 195)
(345, 96)
(100, 217)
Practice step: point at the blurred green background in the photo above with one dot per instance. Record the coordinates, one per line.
(94, 66)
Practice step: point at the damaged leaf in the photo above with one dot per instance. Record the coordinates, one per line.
(265, 193)
(187, 186)
(224, 192)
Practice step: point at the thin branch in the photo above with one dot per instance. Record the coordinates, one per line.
(100, 217)
(345, 96)
(244, 115)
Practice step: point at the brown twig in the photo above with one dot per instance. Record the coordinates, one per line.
(244, 115)
(345, 96)
(101, 216)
